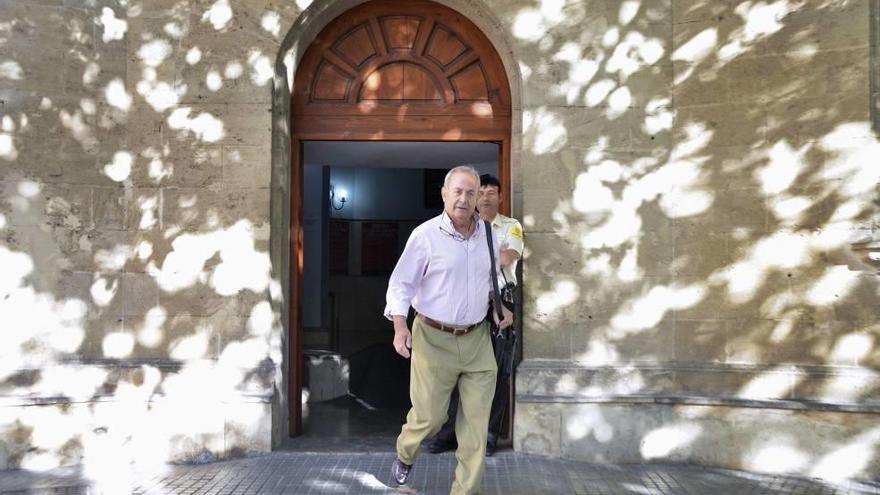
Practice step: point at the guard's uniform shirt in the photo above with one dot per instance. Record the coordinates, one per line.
(509, 234)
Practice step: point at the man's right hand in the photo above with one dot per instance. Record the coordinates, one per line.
(402, 337)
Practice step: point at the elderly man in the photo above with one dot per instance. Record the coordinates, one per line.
(445, 274)
(509, 233)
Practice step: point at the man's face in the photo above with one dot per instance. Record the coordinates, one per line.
(460, 196)
(489, 201)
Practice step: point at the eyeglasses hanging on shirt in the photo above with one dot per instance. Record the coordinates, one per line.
(454, 234)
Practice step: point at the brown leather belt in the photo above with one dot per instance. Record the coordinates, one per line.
(447, 328)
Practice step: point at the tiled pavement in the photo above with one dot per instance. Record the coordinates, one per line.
(368, 473)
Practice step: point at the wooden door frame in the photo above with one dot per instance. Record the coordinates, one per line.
(449, 121)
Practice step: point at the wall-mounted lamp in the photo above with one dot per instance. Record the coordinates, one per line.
(340, 195)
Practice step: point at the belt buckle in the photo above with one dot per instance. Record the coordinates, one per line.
(459, 331)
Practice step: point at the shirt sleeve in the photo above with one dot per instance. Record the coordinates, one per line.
(515, 237)
(406, 277)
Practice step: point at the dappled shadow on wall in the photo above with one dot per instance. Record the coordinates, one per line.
(730, 241)
(134, 225)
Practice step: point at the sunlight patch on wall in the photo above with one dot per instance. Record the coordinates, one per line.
(681, 202)
(697, 137)
(193, 55)
(760, 20)
(75, 382)
(183, 266)
(45, 325)
(647, 311)
(590, 194)
(261, 320)
(599, 352)
(117, 96)
(149, 333)
(623, 225)
(8, 151)
(776, 383)
(148, 206)
(850, 387)
(852, 145)
(529, 25)
(581, 70)
(789, 208)
(219, 14)
(779, 455)
(598, 91)
(103, 291)
(781, 250)
(11, 70)
(564, 293)
(119, 169)
(271, 23)
(154, 52)
(849, 461)
(159, 95)
(118, 345)
(587, 419)
(15, 267)
(204, 126)
(114, 29)
(80, 130)
(213, 80)
(698, 47)
(618, 102)
(192, 347)
(261, 68)
(628, 11)
(238, 357)
(784, 166)
(233, 70)
(658, 116)
(834, 285)
(548, 131)
(242, 267)
(851, 349)
(634, 53)
(662, 442)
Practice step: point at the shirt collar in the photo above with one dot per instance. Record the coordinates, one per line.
(446, 222)
(495, 221)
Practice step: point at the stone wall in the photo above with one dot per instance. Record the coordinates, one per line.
(704, 288)
(695, 178)
(135, 159)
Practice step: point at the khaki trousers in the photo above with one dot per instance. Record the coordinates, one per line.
(440, 360)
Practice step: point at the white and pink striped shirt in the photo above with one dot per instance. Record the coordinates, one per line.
(443, 275)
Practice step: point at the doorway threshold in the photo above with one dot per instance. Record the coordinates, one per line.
(344, 424)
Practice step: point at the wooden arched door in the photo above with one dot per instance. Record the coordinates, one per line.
(390, 70)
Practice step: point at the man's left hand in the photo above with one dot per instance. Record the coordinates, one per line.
(508, 318)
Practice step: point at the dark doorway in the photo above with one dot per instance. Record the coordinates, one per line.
(361, 202)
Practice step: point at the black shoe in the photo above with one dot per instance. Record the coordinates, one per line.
(400, 471)
(437, 446)
(490, 449)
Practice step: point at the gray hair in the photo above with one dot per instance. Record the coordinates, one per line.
(464, 169)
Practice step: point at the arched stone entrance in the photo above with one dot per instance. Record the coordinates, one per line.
(389, 71)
